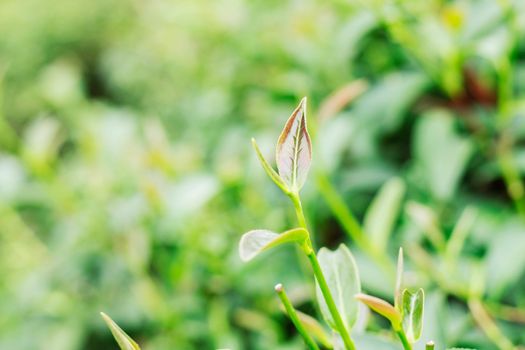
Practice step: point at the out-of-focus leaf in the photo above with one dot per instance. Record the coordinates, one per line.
(382, 107)
(368, 341)
(505, 260)
(383, 308)
(294, 149)
(269, 170)
(331, 142)
(426, 219)
(315, 329)
(334, 103)
(383, 212)
(342, 277)
(254, 242)
(413, 304)
(374, 279)
(460, 233)
(124, 341)
(399, 281)
(441, 154)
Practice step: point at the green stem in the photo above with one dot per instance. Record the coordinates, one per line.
(402, 336)
(310, 343)
(430, 345)
(296, 200)
(349, 344)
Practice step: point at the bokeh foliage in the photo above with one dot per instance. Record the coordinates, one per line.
(127, 175)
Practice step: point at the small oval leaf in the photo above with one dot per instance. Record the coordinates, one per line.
(341, 274)
(294, 149)
(383, 308)
(413, 314)
(256, 241)
(124, 341)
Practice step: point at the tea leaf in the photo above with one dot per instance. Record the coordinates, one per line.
(383, 212)
(413, 314)
(124, 341)
(342, 277)
(294, 149)
(256, 241)
(269, 170)
(383, 308)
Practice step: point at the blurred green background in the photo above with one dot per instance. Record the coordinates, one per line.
(127, 174)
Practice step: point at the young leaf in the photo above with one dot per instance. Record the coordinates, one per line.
(383, 308)
(124, 341)
(399, 281)
(294, 149)
(413, 314)
(269, 170)
(342, 277)
(383, 212)
(256, 241)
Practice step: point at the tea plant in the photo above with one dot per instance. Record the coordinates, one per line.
(336, 275)
(337, 282)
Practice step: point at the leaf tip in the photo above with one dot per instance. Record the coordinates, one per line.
(303, 102)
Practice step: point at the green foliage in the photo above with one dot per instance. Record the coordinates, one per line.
(126, 176)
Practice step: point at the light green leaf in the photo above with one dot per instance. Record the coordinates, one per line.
(505, 247)
(383, 212)
(256, 241)
(441, 154)
(269, 170)
(383, 308)
(123, 340)
(342, 277)
(315, 329)
(413, 314)
(399, 281)
(294, 149)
